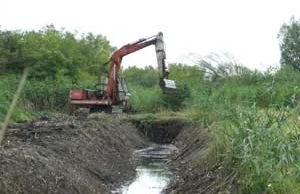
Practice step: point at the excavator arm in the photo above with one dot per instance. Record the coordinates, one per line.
(165, 84)
(116, 60)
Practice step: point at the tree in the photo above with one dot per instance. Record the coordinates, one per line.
(11, 59)
(289, 41)
(142, 77)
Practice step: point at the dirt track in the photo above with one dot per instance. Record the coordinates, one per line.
(62, 154)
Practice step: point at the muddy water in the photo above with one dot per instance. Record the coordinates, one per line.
(153, 174)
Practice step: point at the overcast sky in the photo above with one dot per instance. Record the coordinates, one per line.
(246, 29)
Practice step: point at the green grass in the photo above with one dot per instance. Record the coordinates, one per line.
(13, 104)
(259, 145)
(146, 99)
(263, 148)
(8, 86)
(37, 96)
(47, 95)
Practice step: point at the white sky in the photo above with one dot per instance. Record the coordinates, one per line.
(245, 28)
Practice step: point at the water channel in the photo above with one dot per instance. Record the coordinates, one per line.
(153, 174)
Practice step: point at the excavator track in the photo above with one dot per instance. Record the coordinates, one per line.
(82, 113)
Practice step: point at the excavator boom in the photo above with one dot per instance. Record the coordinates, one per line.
(116, 59)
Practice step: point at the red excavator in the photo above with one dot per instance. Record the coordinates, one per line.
(113, 90)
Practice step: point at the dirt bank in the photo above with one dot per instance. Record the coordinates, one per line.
(195, 171)
(160, 130)
(61, 154)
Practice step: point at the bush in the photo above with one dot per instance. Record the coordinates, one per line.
(146, 99)
(47, 95)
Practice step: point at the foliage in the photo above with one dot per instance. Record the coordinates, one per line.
(8, 86)
(220, 66)
(264, 150)
(289, 37)
(146, 100)
(51, 53)
(257, 122)
(37, 96)
(50, 95)
(177, 100)
(144, 77)
(238, 86)
(146, 95)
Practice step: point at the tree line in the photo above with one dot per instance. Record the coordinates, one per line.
(51, 53)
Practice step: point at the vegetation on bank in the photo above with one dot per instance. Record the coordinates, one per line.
(252, 116)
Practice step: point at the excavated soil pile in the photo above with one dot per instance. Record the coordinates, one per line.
(62, 154)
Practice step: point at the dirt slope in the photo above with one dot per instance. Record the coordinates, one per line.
(195, 173)
(61, 154)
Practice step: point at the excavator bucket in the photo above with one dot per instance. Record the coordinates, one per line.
(168, 86)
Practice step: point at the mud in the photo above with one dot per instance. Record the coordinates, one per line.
(63, 154)
(161, 131)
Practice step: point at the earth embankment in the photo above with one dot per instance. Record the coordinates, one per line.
(64, 154)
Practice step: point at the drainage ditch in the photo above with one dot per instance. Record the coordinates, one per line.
(152, 172)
